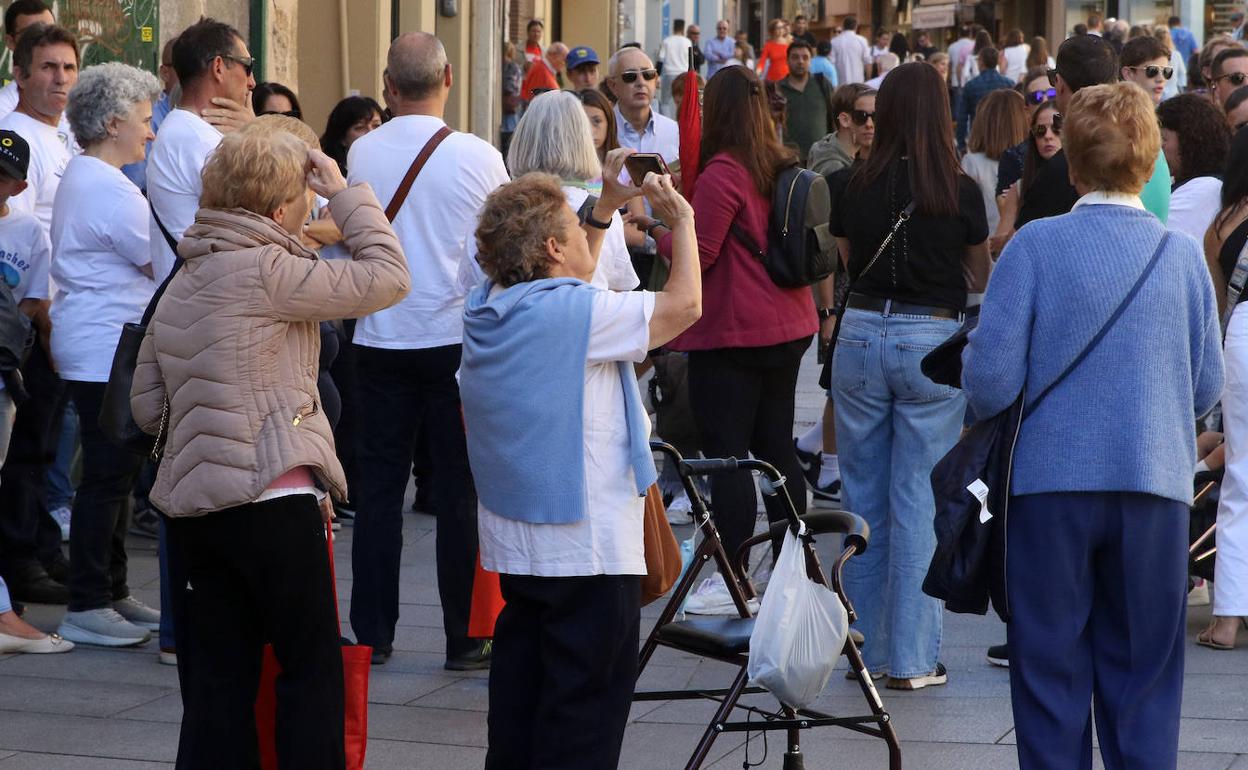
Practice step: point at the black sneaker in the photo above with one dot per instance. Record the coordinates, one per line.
(810, 462)
(381, 655)
(145, 523)
(32, 585)
(827, 498)
(937, 677)
(474, 660)
(999, 655)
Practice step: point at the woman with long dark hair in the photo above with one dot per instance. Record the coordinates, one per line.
(745, 352)
(908, 295)
(1195, 140)
(275, 98)
(350, 119)
(1043, 142)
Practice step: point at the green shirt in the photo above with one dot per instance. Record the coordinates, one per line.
(806, 114)
(1156, 193)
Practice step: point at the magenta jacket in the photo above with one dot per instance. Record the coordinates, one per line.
(741, 306)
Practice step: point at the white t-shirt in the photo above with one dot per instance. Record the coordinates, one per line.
(1193, 206)
(173, 182)
(608, 541)
(674, 53)
(99, 243)
(614, 272)
(1016, 61)
(49, 155)
(983, 170)
(435, 225)
(25, 255)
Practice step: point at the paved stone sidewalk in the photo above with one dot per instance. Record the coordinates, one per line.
(96, 709)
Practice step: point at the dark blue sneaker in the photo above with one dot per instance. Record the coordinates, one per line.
(810, 463)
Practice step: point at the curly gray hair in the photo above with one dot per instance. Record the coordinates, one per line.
(107, 91)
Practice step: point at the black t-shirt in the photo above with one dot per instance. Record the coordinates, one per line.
(1051, 193)
(1231, 247)
(923, 264)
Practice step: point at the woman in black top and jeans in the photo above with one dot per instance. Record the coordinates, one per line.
(907, 296)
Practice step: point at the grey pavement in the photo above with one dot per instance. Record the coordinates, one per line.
(97, 709)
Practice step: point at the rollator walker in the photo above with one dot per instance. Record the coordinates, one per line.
(727, 639)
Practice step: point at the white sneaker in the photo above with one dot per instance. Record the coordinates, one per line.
(62, 516)
(138, 613)
(1199, 595)
(712, 598)
(103, 627)
(680, 511)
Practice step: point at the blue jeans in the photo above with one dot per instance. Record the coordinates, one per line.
(60, 487)
(892, 425)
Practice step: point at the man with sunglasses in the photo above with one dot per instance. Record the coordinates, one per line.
(1229, 71)
(1145, 61)
(633, 79)
(215, 70)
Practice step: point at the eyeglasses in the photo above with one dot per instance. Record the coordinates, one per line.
(1043, 95)
(630, 76)
(1152, 71)
(248, 62)
(1237, 78)
(1040, 129)
(860, 117)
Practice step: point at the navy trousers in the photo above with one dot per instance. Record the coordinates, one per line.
(1098, 596)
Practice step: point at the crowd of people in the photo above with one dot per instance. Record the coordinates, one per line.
(327, 322)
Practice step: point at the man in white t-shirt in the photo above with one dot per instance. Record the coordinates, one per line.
(214, 69)
(17, 17)
(46, 66)
(851, 53)
(674, 61)
(407, 355)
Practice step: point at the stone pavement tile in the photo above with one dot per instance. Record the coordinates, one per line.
(6, 754)
(462, 695)
(26, 761)
(167, 709)
(824, 749)
(135, 665)
(397, 688)
(415, 724)
(659, 746)
(1200, 736)
(1215, 696)
(74, 697)
(1240, 763)
(88, 737)
(398, 755)
(420, 639)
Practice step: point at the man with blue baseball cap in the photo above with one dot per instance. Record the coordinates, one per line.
(583, 67)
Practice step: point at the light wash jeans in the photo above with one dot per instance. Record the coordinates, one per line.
(892, 426)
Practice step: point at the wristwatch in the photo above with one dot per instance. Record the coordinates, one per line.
(825, 313)
(586, 214)
(654, 224)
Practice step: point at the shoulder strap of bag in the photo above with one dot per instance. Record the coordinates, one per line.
(177, 264)
(1235, 286)
(1100, 335)
(405, 186)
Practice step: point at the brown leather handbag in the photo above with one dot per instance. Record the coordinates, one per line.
(662, 550)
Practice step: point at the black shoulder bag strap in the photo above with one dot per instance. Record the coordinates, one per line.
(1100, 335)
(177, 264)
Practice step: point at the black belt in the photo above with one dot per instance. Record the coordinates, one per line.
(893, 307)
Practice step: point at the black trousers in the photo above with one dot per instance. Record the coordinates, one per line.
(343, 373)
(563, 671)
(253, 574)
(400, 393)
(101, 515)
(742, 400)
(28, 535)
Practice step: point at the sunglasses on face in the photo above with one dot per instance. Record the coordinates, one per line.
(1237, 78)
(1152, 71)
(1040, 129)
(1042, 96)
(630, 76)
(860, 117)
(247, 61)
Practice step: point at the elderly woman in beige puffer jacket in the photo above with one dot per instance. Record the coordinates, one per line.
(249, 457)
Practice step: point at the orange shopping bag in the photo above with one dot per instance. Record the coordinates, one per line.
(356, 662)
(487, 603)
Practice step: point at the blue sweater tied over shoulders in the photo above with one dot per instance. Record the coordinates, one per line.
(522, 384)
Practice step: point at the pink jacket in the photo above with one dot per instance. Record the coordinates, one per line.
(741, 306)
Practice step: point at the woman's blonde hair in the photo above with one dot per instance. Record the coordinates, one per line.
(1111, 137)
(515, 222)
(257, 170)
(275, 121)
(1000, 123)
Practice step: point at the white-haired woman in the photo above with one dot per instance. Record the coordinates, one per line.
(102, 270)
(554, 137)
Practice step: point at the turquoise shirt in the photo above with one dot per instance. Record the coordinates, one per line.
(1156, 194)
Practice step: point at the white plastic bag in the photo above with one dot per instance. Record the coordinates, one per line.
(799, 632)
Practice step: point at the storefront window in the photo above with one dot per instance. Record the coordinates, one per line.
(1077, 12)
(1149, 11)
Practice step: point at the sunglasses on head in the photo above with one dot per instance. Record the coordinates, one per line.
(1237, 78)
(860, 117)
(1040, 129)
(630, 76)
(1043, 95)
(247, 61)
(1152, 71)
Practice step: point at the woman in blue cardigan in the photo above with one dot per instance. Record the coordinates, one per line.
(1102, 481)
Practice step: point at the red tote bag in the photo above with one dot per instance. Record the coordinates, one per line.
(356, 662)
(487, 603)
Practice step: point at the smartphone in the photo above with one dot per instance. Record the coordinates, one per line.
(641, 163)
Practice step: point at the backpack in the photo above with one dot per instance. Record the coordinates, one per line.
(15, 332)
(800, 248)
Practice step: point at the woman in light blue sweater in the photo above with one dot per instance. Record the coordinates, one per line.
(1103, 469)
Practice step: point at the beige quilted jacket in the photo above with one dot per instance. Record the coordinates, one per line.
(234, 344)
